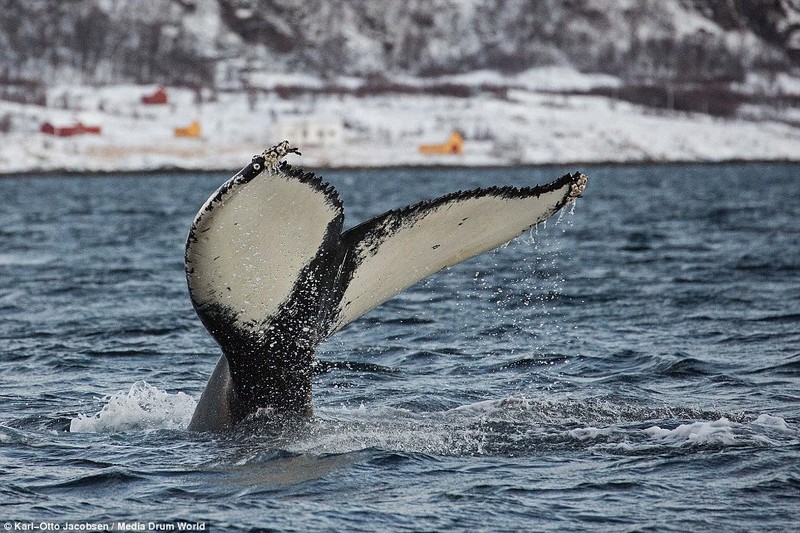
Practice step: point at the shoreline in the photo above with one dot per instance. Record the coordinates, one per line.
(150, 172)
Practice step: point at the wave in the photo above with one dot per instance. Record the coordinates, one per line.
(25, 259)
(523, 426)
(510, 426)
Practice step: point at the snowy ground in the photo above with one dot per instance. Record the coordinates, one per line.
(528, 126)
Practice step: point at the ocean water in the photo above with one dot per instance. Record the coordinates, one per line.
(632, 365)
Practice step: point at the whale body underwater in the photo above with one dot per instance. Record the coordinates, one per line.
(271, 274)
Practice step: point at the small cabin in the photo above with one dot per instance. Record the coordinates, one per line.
(69, 130)
(312, 131)
(192, 130)
(454, 145)
(157, 97)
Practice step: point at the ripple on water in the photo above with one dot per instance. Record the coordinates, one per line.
(633, 370)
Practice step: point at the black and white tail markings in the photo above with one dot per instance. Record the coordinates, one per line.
(271, 274)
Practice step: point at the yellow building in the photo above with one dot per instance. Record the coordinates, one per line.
(192, 130)
(454, 145)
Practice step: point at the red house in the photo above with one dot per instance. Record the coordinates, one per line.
(158, 97)
(78, 128)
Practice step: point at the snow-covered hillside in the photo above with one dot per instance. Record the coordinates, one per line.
(364, 82)
(525, 124)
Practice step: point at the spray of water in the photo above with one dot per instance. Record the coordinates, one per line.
(143, 407)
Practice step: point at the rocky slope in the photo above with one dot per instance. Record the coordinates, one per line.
(223, 42)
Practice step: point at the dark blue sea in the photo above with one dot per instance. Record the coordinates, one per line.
(632, 365)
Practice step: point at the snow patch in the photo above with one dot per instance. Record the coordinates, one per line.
(563, 79)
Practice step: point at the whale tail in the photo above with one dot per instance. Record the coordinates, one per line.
(271, 274)
(395, 250)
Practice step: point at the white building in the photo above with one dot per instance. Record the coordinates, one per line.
(311, 131)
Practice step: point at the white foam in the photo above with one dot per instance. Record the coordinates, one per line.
(391, 429)
(495, 406)
(24, 259)
(720, 431)
(589, 433)
(774, 422)
(143, 407)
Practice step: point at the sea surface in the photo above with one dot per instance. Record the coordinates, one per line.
(632, 365)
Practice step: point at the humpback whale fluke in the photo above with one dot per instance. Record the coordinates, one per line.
(271, 274)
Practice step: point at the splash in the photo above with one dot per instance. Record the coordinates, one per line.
(516, 426)
(511, 426)
(143, 407)
(345, 430)
(774, 422)
(719, 431)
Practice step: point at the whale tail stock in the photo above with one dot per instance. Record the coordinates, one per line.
(271, 274)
